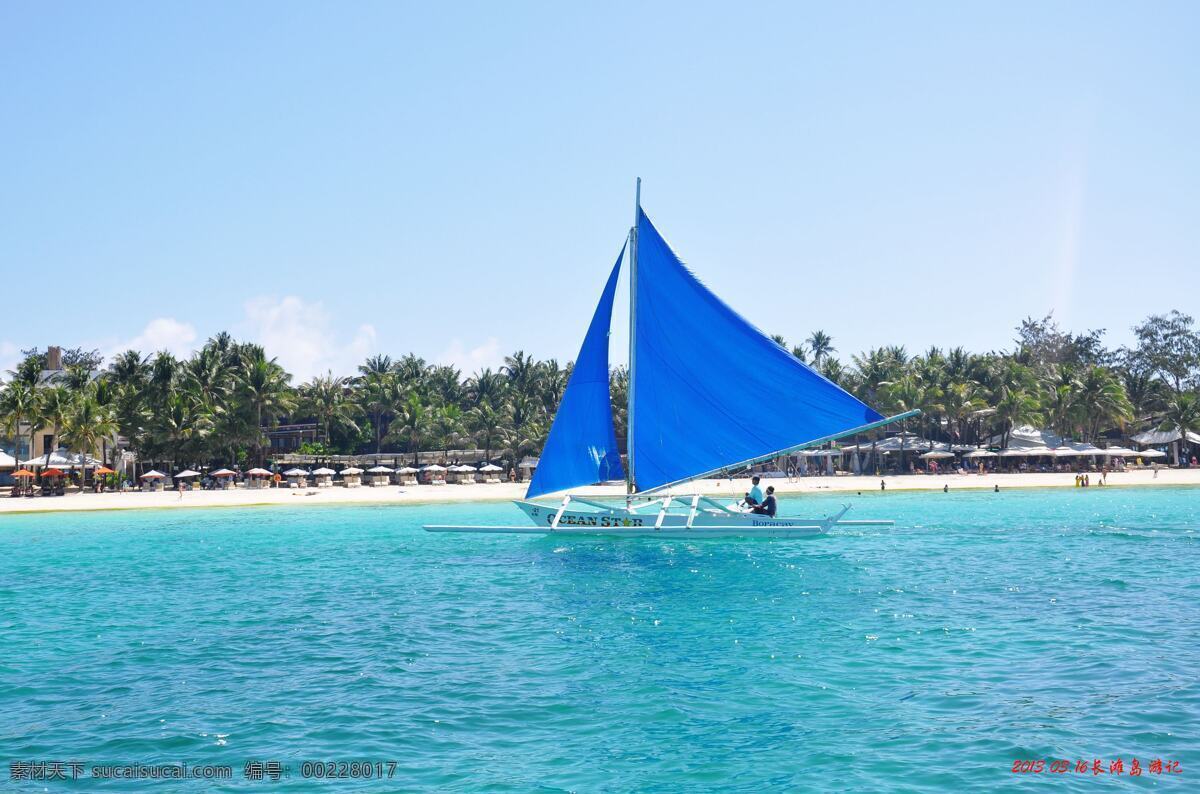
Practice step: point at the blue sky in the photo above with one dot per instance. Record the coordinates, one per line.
(335, 180)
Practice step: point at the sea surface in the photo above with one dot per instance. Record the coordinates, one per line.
(982, 630)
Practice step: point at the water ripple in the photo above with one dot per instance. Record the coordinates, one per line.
(982, 629)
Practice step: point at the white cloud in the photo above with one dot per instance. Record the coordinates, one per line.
(470, 361)
(304, 338)
(162, 333)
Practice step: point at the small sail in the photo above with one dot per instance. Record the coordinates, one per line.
(582, 446)
(711, 391)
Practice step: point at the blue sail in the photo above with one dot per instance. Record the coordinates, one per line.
(582, 446)
(711, 391)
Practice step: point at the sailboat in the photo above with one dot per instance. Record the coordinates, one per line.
(708, 393)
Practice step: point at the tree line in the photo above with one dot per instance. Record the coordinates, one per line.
(218, 405)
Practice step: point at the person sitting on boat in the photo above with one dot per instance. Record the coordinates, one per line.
(768, 507)
(755, 496)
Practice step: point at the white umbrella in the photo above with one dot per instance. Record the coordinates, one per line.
(490, 467)
(1152, 453)
(223, 473)
(258, 472)
(62, 459)
(406, 470)
(351, 470)
(295, 473)
(433, 467)
(1025, 452)
(1120, 452)
(379, 470)
(324, 472)
(187, 473)
(980, 453)
(466, 468)
(1077, 451)
(153, 474)
(935, 455)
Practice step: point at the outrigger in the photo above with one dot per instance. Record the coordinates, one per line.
(708, 393)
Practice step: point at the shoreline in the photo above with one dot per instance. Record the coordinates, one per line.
(504, 492)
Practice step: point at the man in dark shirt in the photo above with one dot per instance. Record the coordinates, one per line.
(767, 508)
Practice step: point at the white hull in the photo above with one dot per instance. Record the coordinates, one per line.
(679, 517)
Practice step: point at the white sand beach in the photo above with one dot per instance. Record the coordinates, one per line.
(294, 497)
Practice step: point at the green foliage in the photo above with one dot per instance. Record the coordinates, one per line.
(220, 404)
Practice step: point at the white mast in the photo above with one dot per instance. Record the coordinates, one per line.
(630, 484)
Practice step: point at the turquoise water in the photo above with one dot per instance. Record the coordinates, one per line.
(984, 628)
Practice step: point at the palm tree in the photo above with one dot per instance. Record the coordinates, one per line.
(522, 373)
(444, 385)
(1102, 402)
(266, 393)
(484, 386)
(821, 345)
(19, 405)
(1017, 406)
(378, 391)
(86, 425)
(411, 372)
(448, 424)
(1183, 415)
(53, 409)
(526, 432)
(412, 425)
(327, 399)
(183, 424)
(488, 425)
(959, 401)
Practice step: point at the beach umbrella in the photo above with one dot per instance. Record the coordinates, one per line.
(324, 472)
(433, 467)
(379, 470)
(1152, 453)
(224, 473)
(466, 467)
(52, 473)
(406, 470)
(1077, 451)
(184, 473)
(351, 470)
(258, 472)
(153, 474)
(490, 467)
(62, 459)
(1120, 452)
(23, 473)
(980, 453)
(1025, 452)
(936, 455)
(295, 473)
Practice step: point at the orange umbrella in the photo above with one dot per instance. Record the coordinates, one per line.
(104, 470)
(23, 473)
(52, 473)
